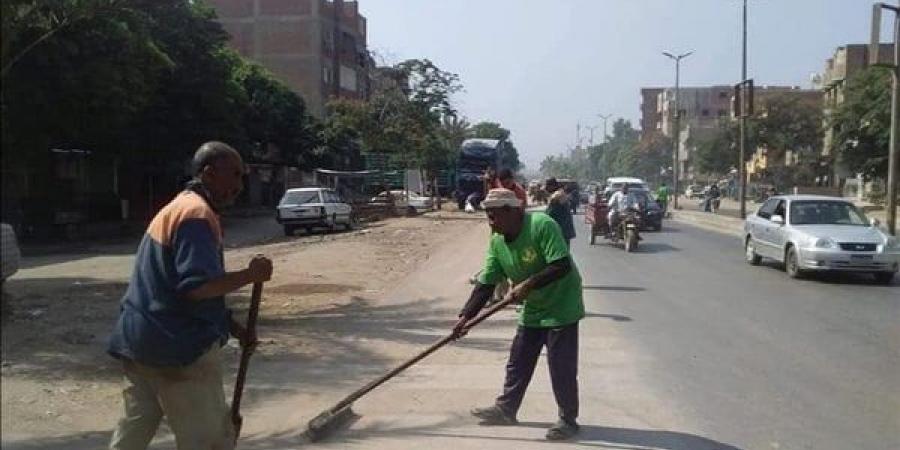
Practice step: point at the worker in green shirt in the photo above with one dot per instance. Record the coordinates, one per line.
(528, 248)
(662, 197)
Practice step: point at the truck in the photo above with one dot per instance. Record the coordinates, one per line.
(475, 157)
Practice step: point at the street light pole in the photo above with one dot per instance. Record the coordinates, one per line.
(677, 144)
(591, 141)
(604, 117)
(742, 167)
(894, 148)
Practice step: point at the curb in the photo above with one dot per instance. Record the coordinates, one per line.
(720, 224)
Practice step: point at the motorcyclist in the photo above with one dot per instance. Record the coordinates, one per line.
(618, 203)
(711, 196)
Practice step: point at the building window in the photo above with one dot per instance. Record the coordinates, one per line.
(723, 94)
(326, 74)
(722, 113)
(705, 113)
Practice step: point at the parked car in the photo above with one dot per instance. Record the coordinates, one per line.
(694, 191)
(313, 207)
(415, 203)
(10, 247)
(651, 213)
(810, 233)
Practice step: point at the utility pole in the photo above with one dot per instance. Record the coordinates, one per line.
(893, 164)
(677, 137)
(742, 167)
(338, 12)
(604, 117)
(591, 141)
(578, 135)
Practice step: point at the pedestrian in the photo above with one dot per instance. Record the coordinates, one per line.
(558, 207)
(529, 249)
(662, 197)
(506, 180)
(173, 320)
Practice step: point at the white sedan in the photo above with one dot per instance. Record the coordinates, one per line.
(811, 233)
(411, 203)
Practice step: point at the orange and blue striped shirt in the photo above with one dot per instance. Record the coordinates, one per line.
(181, 251)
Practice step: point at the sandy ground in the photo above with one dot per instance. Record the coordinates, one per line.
(56, 378)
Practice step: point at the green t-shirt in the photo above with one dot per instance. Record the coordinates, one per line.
(662, 194)
(539, 243)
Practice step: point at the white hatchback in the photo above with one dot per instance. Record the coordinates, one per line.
(313, 207)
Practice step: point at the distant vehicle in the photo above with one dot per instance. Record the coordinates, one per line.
(10, 257)
(475, 157)
(313, 207)
(694, 191)
(651, 213)
(412, 204)
(614, 184)
(810, 233)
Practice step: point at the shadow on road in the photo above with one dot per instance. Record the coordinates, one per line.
(589, 436)
(615, 317)
(612, 288)
(656, 247)
(848, 278)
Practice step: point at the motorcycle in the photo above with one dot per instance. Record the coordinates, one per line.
(709, 204)
(628, 229)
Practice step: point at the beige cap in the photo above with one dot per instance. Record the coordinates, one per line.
(500, 197)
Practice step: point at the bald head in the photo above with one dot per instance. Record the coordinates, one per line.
(212, 153)
(221, 170)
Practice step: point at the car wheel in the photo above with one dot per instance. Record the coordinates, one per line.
(351, 222)
(883, 277)
(792, 264)
(750, 253)
(288, 230)
(657, 227)
(309, 230)
(410, 211)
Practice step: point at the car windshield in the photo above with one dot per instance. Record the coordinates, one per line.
(300, 197)
(817, 212)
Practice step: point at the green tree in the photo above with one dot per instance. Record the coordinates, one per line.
(861, 123)
(789, 124)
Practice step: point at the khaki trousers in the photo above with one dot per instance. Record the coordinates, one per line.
(191, 398)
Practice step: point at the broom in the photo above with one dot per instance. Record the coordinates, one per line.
(335, 417)
(236, 417)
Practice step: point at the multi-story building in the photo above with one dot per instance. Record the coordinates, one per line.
(316, 47)
(702, 110)
(847, 61)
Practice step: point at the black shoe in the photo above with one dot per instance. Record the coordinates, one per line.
(563, 430)
(493, 415)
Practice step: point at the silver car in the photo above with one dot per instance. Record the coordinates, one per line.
(810, 233)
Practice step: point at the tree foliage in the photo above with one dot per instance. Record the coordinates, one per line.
(862, 123)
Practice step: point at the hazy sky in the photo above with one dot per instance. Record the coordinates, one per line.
(540, 66)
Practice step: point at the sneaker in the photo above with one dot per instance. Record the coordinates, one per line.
(493, 415)
(563, 430)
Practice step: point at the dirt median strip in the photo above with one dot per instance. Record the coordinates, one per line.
(721, 224)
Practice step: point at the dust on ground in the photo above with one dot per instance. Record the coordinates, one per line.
(57, 378)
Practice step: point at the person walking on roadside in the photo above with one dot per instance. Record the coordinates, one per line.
(173, 320)
(506, 180)
(529, 249)
(558, 207)
(662, 197)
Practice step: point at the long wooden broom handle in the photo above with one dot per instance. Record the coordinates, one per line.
(252, 315)
(444, 341)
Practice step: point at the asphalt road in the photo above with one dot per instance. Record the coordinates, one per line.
(745, 355)
(685, 347)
